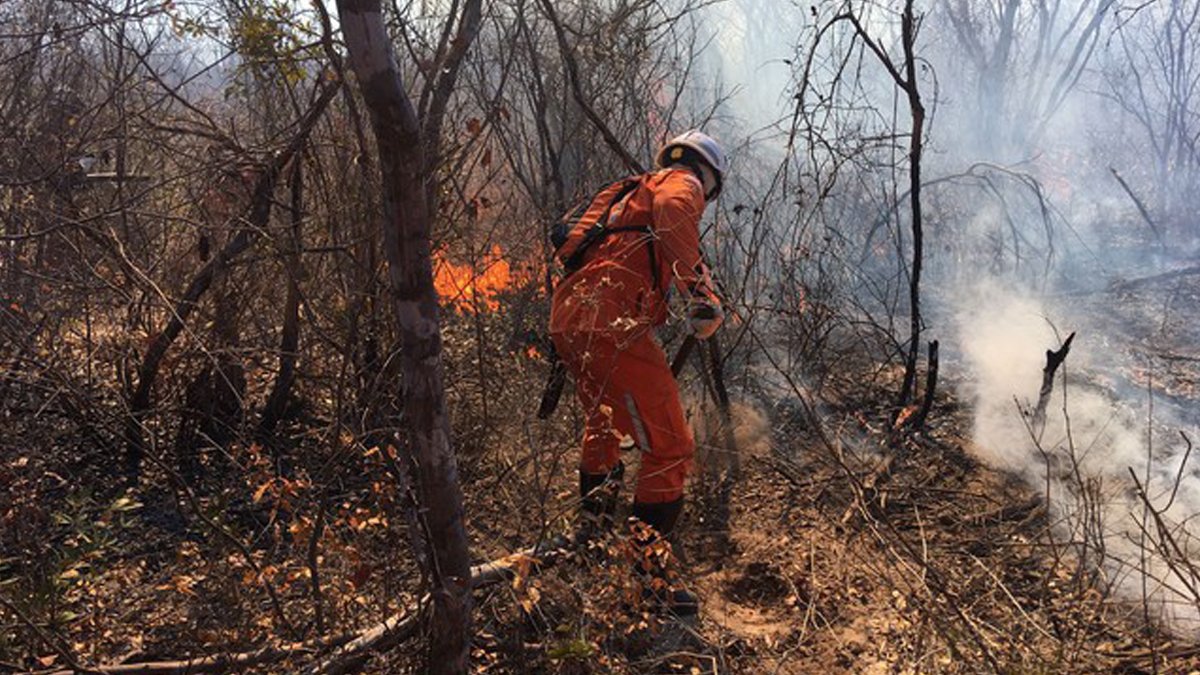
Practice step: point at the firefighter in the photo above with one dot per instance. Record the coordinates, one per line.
(602, 322)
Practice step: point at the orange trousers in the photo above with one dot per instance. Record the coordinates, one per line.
(627, 391)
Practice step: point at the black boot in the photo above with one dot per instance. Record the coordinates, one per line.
(598, 492)
(662, 517)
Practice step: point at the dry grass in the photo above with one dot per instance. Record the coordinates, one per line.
(812, 562)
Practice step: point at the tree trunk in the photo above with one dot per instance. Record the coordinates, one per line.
(917, 111)
(289, 339)
(410, 279)
(258, 214)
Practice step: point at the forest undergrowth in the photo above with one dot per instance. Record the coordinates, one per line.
(274, 296)
(883, 551)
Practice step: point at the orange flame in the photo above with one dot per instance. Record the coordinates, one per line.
(468, 288)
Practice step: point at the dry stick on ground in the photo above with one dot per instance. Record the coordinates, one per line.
(212, 664)
(404, 624)
(350, 648)
(1054, 359)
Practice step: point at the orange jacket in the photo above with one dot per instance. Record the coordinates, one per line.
(622, 284)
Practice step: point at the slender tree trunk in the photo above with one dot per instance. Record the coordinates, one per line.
(229, 379)
(410, 280)
(289, 339)
(917, 111)
(906, 81)
(139, 405)
(258, 214)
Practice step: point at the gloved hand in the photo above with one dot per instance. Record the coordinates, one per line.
(705, 316)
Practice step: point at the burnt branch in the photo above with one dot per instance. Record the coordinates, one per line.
(1054, 359)
(1141, 206)
(931, 378)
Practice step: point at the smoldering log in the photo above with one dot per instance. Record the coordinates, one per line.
(1054, 359)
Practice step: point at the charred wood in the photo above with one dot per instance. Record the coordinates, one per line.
(1054, 359)
(1141, 207)
(931, 377)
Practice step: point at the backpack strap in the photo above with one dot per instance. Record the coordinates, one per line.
(599, 230)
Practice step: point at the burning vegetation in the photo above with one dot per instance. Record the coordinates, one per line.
(947, 425)
(468, 289)
(477, 286)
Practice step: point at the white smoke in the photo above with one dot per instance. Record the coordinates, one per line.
(1082, 457)
(1047, 212)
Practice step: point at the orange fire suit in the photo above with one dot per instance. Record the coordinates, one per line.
(602, 322)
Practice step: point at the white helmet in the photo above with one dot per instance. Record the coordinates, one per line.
(704, 145)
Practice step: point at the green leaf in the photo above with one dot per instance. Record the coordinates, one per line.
(576, 650)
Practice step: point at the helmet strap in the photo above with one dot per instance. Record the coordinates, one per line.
(708, 179)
